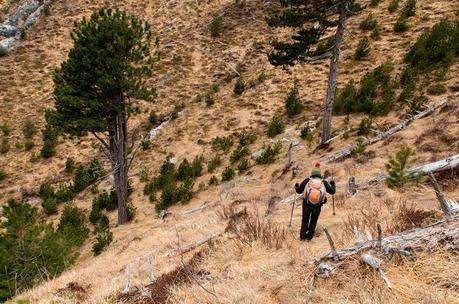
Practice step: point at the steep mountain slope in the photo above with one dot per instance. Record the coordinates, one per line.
(191, 62)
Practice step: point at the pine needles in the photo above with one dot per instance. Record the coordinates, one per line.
(397, 168)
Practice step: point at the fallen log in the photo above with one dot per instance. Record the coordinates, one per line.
(403, 124)
(442, 234)
(187, 247)
(449, 163)
(448, 207)
(193, 210)
(231, 184)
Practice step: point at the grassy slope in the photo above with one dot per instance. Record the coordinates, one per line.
(191, 62)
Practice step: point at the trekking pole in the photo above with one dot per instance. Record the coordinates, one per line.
(333, 196)
(293, 207)
(333, 203)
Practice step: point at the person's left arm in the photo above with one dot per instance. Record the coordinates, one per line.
(330, 186)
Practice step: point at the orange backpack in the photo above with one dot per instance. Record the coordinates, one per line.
(314, 192)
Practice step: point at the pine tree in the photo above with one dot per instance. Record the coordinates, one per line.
(397, 168)
(312, 19)
(30, 249)
(293, 103)
(95, 87)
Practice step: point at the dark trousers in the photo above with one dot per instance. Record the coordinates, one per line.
(309, 221)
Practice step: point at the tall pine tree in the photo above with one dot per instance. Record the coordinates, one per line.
(311, 19)
(94, 89)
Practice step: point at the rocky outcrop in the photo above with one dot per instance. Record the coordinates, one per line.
(21, 20)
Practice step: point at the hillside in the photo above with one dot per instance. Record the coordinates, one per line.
(230, 269)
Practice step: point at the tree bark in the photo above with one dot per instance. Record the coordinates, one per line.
(118, 151)
(332, 74)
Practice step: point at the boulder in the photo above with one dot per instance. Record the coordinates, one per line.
(257, 154)
(8, 42)
(7, 30)
(23, 12)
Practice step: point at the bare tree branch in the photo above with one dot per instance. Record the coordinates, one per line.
(102, 141)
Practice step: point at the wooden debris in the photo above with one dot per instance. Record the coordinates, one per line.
(403, 124)
(193, 210)
(151, 274)
(350, 189)
(379, 243)
(289, 155)
(192, 245)
(368, 234)
(420, 239)
(162, 214)
(332, 244)
(324, 270)
(127, 282)
(231, 184)
(375, 263)
(440, 197)
(358, 237)
(443, 234)
(452, 205)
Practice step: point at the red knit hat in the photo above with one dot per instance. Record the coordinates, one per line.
(316, 169)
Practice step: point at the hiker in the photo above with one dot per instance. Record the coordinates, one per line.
(314, 189)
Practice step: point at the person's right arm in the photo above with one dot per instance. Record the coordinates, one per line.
(299, 188)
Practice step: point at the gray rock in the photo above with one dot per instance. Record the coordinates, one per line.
(32, 18)
(8, 42)
(7, 30)
(162, 214)
(29, 12)
(257, 154)
(23, 12)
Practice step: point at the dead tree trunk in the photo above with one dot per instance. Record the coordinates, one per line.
(333, 74)
(350, 187)
(449, 207)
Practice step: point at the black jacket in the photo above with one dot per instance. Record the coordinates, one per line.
(330, 187)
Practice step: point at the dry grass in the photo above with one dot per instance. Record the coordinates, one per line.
(409, 217)
(160, 291)
(248, 228)
(252, 264)
(448, 179)
(364, 218)
(74, 290)
(404, 217)
(429, 279)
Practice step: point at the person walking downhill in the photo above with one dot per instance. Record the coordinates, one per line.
(314, 189)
